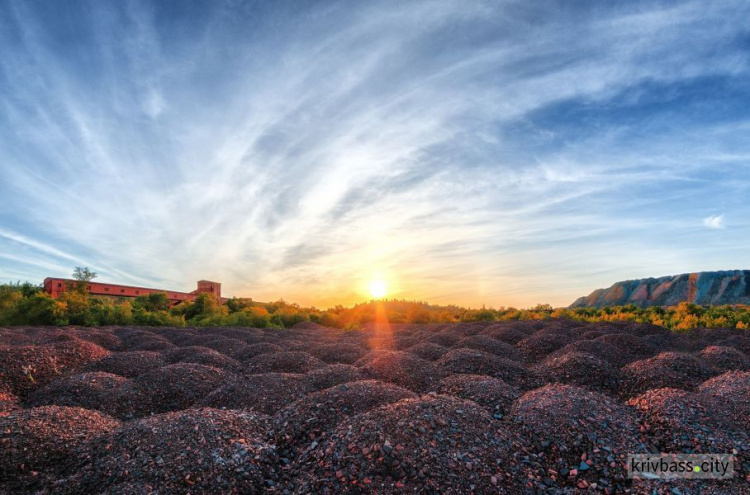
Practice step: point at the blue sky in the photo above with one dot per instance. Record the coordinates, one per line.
(499, 153)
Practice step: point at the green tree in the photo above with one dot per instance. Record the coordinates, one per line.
(156, 301)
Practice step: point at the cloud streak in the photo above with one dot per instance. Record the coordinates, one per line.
(500, 154)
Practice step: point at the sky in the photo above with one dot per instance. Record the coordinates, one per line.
(498, 153)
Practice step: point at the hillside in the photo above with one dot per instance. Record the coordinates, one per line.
(703, 288)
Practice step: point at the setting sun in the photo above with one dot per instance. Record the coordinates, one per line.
(378, 289)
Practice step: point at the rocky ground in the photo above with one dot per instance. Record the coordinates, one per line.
(514, 407)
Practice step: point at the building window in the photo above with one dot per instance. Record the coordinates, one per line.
(122, 291)
(59, 284)
(137, 292)
(106, 289)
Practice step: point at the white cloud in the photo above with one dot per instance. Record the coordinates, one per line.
(714, 222)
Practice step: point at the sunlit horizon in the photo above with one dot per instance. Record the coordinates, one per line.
(469, 153)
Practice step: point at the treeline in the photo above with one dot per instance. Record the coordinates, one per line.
(27, 304)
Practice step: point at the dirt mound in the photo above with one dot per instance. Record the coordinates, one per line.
(668, 369)
(196, 451)
(580, 435)
(428, 350)
(95, 390)
(506, 334)
(607, 352)
(581, 369)
(492, 393)
(25, 368)
(266, 393)
(481, 363)
(676, 421)
(405, 342)
(103, 338)
(332, 375)
(402, 369)
(252, 350)
(44, 440)
(730, 394)
(284, 362)
(176, 387)
(204, 356)
(630, 345)
(223, 345)
(144, 340)
(430, 444)
(725, 358)
(338, 353)
(491, 346)
(305, 421)
(128, 364)
(444, 339)
(539, 346)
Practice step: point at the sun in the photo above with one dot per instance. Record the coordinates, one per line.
(378, 289)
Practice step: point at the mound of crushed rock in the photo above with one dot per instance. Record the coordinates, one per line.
(128, 364)
(402, 369)
(668, 369)
(265, 393)
(581, 437)
(493, 393)
(194, 451)
(429, 444)
(308, 419)
(40, 442)
(579, 368)
(94, 390)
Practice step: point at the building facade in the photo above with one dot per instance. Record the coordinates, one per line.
(56, 286)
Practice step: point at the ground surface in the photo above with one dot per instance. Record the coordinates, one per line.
(516, 407)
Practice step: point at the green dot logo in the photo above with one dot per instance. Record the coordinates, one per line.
(697, 469)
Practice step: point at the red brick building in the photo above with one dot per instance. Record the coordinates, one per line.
(56, 286)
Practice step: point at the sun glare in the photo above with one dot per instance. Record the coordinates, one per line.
(378, 289)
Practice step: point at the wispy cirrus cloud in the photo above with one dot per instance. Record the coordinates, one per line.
(506, 153)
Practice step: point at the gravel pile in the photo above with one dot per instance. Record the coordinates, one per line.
(492, 393)
(725, 358)
(8, 401)
(223, 345)
(332, 375)
(444, 339)
(507, 334)
(630, 345)
(195, 451)
(175, 387)
(402, 369)
(539, 346)
(338, 353)
(668, 369)
(284, 362)
(611, 354)
(430, 444)
(728, 396)
(25, 368)
(480, 363)
(94, 390)
(266, 393)
(250, 351)
(677, 421)
(581, 369)
(42, 441)
(490, 346)
(306, 420)
(428, 350)
(582, 437)
(205, 356)
(143, 340)
(128, 364)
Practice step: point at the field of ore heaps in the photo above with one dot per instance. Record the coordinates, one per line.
(513, 407)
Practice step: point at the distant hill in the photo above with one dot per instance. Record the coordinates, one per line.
(704, 288)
